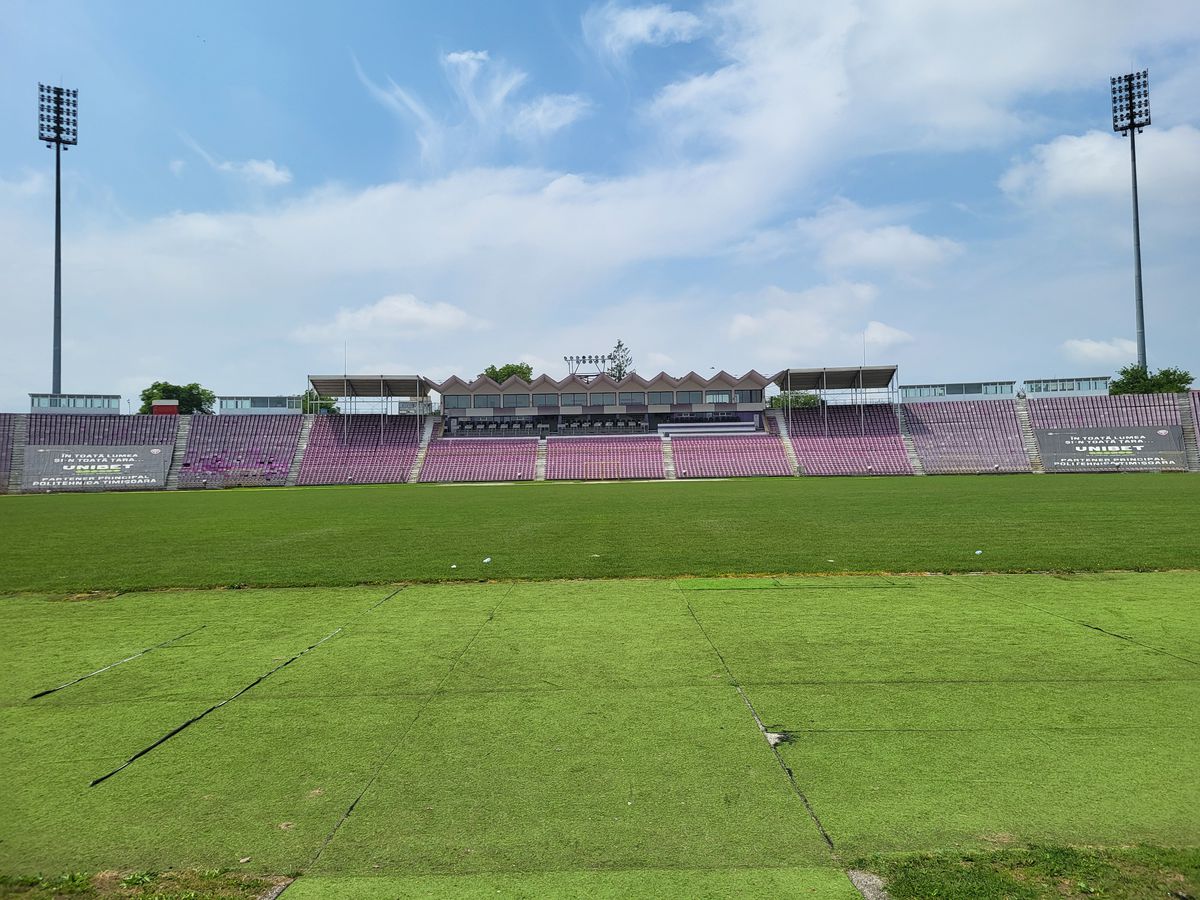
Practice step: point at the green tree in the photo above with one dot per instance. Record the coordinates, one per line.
(508, 370)
(312, 402)
(620, 362)
(794, 400)
(193, 399)
(1135, 379)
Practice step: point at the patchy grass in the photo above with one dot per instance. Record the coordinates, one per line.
(1042, 873)
(194, 884)
(388, 533)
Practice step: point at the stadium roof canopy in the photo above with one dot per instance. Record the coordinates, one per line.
(369, 385)
(835, 379)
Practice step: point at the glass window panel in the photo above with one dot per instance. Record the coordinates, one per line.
(574, 399)
(545, 399)
(512, 401)
(688, 397)
(662, 396)
(456, 401)
(487, 401)
(716, 397)
(633, 397)
(604, 398)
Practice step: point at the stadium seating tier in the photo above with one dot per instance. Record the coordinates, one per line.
(480, 459)
(1122, 410)
(360, 449)
(967, 437)
(603, 458)
(8, 422)
(239, 450)
(64, 430)
(730, 456)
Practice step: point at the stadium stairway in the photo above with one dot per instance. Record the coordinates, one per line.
(668, 452)
(1187, 418)
(910, 448)
(181, 441)
(539, 466)
(293, 476)
(414, 474)
(20, 437)
(781, 430)
(1031, 444)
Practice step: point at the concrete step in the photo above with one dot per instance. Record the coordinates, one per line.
(1032, 451)
(539, 466)
(914, 459)
(182, 430)
(1187, 418)
(20, 438)
(781, 429)
(668, 453)
(301, 445)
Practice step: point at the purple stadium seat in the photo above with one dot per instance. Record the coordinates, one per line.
(63, 430)
(729, 456)
(480, 459)
(237, 451)
(1122, 410)
(360, 449)
(967, 437)
(8, 422)
(862, 440)
(603, 458)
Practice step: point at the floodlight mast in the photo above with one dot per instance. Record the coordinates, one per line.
(58, 125)
(1131, 113)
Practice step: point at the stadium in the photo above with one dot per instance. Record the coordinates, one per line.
(642, 647)
(743, 620)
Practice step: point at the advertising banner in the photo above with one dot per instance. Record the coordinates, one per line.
(1149, 447)
(95, 468)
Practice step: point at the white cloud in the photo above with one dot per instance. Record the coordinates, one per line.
(548, 114)
(1111, 352)
(884, 336)
(256, 172)
(824, 322)
(177, 166)
(845, 236)
(614, 30)
(405, 106)
(397, 317)
(1096, 165)
(30, 184)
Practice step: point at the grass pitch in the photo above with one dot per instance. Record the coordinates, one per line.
(596, 738)
(386, 533)
(508, 733)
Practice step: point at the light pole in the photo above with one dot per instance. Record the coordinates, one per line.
(1130, 114)
(58, 125)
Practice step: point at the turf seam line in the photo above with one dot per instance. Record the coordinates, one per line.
(261, 678)
(408, 728)
(787, 770)
(1115, 634)
(117, 663)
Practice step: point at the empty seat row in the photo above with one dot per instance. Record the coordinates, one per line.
(479, 459)
(8, 424)
(603, 458)
(360, 449)
(60, 429)
(729, 456)
(238, 451)
(967, 437)
(1122, 410)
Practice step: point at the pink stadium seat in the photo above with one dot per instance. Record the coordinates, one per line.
(1137, 410)
(8, 422)
(60, 430)
(237, 451)
(848, 440)
(360, 449)
(480, 459)
(729, 456)
(967, 437)
(603, 458)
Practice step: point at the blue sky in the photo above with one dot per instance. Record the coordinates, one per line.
(742, 185)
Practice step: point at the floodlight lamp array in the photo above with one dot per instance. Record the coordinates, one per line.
(1130, 101)
(58, 115)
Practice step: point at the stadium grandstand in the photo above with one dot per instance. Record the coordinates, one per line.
(380, 429)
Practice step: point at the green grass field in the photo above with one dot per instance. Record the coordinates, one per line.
(605, 735)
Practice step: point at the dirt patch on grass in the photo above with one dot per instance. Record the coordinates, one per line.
(193, 884)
